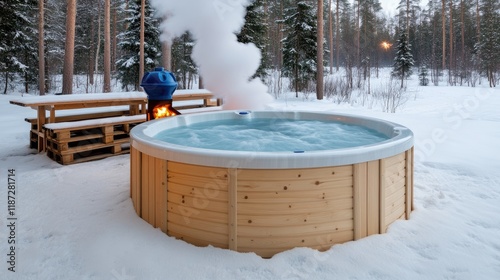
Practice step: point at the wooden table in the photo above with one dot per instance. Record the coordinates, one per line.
(135, 100)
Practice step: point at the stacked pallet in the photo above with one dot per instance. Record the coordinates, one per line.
(34, 131)
(85, 140)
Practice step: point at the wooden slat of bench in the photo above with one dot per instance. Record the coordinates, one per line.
(96, 157)
(191, 96)
(199, 109)
(91, 147)
(85, 116)
(95, 123)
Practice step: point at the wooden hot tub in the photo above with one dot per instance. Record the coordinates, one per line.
(271, 202)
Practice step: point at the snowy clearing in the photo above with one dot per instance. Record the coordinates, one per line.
(77, 221)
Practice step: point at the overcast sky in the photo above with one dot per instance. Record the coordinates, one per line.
(390, 6)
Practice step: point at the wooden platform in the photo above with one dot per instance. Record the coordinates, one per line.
(85, 140)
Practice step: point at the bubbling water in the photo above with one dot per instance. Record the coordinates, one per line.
(271, 135)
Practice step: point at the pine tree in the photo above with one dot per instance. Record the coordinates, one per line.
(403, 61)
(423, 76)
(369, 32)
(489, 46)
(18, 50)
(254, 31)
(299, 45)
(128, 64)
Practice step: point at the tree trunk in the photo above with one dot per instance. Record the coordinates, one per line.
(451, 44)
(47, 73)
(98, 49)
(337, 35)
(91, 54)
(434, 70)
(319, 54)
(358, 35)
(69, 49)
(141, 44)
(107, 47)
(6, 82)
(330, 33)
(113, 40)
(408, 19)
(280, 38)
(41, 52)
(462, 21)
(166, 51)
(478, 23)
(443, 19)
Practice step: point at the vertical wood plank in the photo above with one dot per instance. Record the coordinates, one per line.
(138, 181)
(373, 200)
(151, 190)
(409, 182)
(144, 187)
(164, 223)
(360, 196)
(232, 208)
(382, 219)
(52, 114)
(133, 186)
(160, 194)
(40, 122)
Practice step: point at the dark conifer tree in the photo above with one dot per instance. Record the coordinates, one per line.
(255, 31)
(299, 45)
(18, 49)
(489, 46)
(128, 64)
(403, 62)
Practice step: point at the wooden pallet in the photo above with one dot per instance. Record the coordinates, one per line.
(86, 140)
(70, 118)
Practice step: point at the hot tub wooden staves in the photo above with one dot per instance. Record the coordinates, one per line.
(268, 211)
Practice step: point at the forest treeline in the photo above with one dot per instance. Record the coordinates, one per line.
(120, 39)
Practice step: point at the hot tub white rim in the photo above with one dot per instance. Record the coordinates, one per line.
(142, 139)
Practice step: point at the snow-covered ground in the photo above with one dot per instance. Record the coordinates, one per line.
(77, 221)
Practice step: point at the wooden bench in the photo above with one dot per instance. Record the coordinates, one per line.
(207, 98)
(84, 127)
(86, 140)
(70, 118)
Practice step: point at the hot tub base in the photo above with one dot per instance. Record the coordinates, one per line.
(268, 211)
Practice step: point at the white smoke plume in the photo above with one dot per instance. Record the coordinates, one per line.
(225, 64)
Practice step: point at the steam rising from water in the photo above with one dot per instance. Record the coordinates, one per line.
(225, 64)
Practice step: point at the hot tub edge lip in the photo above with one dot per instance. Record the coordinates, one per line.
(400, 142)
